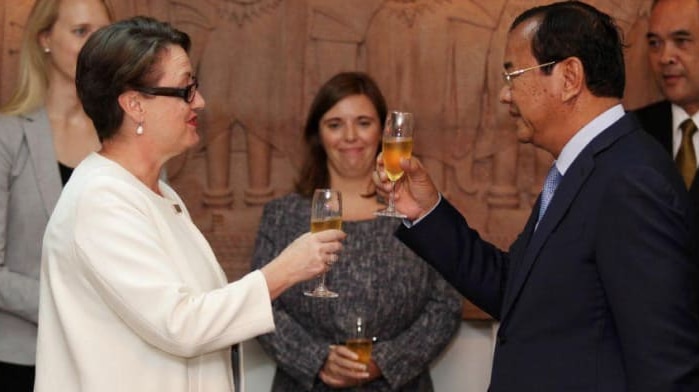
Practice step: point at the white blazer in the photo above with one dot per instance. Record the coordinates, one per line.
(132, 297)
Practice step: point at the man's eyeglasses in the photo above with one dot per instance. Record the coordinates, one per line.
(509, 76)
(187, 93)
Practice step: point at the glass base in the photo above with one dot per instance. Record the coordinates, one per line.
(321, 292)
(390, 213)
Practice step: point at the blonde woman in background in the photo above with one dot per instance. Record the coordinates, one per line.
(44, 133)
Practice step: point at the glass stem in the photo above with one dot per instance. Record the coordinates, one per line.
(392, 197)
(321, 286)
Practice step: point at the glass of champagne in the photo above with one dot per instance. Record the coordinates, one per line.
(326, 214)
(397, 144)
(360, 342)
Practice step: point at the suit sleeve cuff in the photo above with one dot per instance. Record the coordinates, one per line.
(408, 224)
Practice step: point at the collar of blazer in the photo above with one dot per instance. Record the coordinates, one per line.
(37, 131)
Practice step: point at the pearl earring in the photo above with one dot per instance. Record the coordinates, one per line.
(47, 50)
(139, 129)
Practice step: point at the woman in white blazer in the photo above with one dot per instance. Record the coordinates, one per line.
(132, 296)
(44, 133)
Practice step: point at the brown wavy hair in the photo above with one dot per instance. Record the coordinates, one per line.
(314, 171)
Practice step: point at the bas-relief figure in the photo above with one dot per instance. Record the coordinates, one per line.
(442, 59)
(155, 8)
(260, 62)
(240, 73)
(430, 56)
(238, 69)
(13, 19)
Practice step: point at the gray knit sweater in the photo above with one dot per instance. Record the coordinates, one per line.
(406, 305)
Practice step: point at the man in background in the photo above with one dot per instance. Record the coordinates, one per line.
(673, 54)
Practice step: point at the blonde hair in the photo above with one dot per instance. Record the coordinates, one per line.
(33, 62)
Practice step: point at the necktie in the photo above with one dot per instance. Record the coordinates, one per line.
(686, 158)
(550, 185)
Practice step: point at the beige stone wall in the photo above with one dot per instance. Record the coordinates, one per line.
(261, 61)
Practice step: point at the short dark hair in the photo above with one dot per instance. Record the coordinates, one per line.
(119, 57)
(314, 171)
(575, 29)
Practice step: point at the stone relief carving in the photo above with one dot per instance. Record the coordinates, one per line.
(13, 19)
(260, 62)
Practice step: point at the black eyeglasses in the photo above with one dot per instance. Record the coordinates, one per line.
(186, 93)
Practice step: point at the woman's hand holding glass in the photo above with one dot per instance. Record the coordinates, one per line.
(342, 368)
(326, 214)
(351, 365)
(307, 257)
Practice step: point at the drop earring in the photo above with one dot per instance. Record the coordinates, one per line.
(139, 129)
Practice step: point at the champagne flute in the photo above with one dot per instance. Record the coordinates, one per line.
(397, 144)
(326, 214)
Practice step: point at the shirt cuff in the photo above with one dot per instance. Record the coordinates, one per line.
(407, 223)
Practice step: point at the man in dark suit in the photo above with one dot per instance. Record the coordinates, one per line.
(673, 54)
(598, 293)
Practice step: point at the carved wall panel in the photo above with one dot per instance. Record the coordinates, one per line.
(261, 61)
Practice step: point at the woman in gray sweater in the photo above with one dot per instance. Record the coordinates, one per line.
(410, 310)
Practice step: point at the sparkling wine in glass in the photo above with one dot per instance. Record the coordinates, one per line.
(326, 214)
(397, 144)
(360, 342)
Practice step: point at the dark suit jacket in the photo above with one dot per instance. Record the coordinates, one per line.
(602, 296)
(656, 119)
